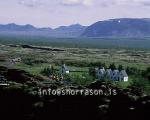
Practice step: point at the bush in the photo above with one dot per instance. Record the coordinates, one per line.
(146, 74)
(67, 77)
(120, 67)
(133, 71)
(112, 66)
(83, 79)
(140, 85)
(47, 71)
(92, 71)
(84, 63)
(32, 61)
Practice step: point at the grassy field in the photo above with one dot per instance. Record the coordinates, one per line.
(112, 42)
(77, 56)
(127, 57)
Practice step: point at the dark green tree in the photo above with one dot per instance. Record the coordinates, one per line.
(120, 67)
(146, 74)
(140, 86)
(48, 71)
(92, 71)
(133, 71)
(52, 69)
(112, 66)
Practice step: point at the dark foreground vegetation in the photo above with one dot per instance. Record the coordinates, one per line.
(21, 101)
(20, 105)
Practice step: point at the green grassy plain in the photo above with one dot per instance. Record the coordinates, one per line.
(77, 54)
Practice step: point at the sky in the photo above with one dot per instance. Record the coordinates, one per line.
(54, 13)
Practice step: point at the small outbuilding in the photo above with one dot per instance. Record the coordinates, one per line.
(64, 69)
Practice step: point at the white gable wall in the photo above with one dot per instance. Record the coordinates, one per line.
(125, 79)
(67, 72)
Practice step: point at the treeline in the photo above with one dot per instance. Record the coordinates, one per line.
(83, 63)
(140, 84)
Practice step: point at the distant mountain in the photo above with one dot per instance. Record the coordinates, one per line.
(14, 27)
(125, 27)
(74, 30)
(73, 27)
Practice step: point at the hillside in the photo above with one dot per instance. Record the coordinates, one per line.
(63, 31)
(125, 27)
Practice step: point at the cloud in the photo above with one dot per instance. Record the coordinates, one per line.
(101, 3)
(95, 2)
(77, 2)
(132, 2)
(143, 2)
(30, 3)
(88, 3)
(146, 3)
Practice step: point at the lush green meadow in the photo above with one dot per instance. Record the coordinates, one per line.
(79, 54)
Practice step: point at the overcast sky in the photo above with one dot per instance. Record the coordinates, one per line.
(54, 13)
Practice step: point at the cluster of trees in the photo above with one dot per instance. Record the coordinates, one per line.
(32, 61)
(146, 74)
(84, 63)
(82, 79)
(141, 81)
(133, 71)
(53, 74)
(78, 79)
(48, 71)
(140, 86)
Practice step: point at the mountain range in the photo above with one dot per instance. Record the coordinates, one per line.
(122, 27)
(62, 31)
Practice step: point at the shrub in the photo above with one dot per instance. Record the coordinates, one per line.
(92, 71)
(47, 71)
(146, 74)
(112, 66)
(140, 85)
(133, 71)
(82, 79)
(120, 67)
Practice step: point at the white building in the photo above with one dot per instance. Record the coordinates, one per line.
(64, 69)
(114, 75)
(16, 60)
(108, 74)
(123, 76)
(100, 73)
(3, 81)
